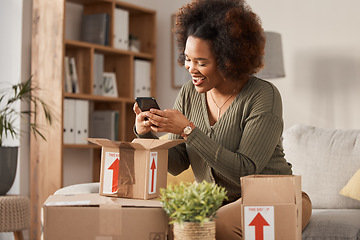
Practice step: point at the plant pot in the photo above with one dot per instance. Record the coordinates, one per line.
(8, 164)
(194, 231)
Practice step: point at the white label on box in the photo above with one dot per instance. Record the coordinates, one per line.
(259, 223)
(111, 173)
(71, 203)
(153, 172)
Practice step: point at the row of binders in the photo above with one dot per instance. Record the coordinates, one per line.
(79, 124)
(95, 28)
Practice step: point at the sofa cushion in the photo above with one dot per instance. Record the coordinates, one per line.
(352, 188)
(333, 224)
(326, 159)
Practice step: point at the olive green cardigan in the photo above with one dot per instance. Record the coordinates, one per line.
(245, 140)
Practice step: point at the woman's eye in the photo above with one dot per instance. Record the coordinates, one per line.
(202, 64)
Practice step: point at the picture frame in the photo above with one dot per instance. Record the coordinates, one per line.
(109, 85)
(179, 73)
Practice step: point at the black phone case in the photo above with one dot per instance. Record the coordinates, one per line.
(146, 103)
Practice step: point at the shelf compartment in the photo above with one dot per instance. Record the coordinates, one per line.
(83, 56)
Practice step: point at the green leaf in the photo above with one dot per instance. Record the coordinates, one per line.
(197, 202)
(21, 92)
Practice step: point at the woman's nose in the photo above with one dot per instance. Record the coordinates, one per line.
(191, 67)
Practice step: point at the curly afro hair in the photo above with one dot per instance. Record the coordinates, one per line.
(235, 32)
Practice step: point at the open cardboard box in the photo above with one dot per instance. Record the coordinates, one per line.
(95, 217)
(271, 207)
(136, 169)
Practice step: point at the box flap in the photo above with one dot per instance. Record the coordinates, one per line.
(158, 143)
(113, 144)
(98, 200)
(268, 189)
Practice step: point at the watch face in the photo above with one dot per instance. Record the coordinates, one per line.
(187, 130)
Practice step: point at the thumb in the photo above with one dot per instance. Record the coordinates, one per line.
(136, 109)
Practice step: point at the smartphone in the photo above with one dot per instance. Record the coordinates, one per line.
(145, 103)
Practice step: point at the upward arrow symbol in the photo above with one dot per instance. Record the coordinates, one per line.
(259, 222)
(152, 167)
(115, 168)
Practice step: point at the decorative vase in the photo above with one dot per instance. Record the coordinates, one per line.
(194, 231)
(8, 164)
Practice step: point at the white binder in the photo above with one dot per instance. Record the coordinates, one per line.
(81, 121)
(121, 29)
(69, 121)
(142, 78)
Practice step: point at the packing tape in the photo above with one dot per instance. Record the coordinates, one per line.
(110, 221)
(103, 238)
(126, 173)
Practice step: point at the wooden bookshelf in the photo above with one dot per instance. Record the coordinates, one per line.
(49, 47)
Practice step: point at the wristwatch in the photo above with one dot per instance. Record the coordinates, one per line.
(187, 130)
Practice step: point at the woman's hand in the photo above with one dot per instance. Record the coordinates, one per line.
(141, 124)
(168, 120)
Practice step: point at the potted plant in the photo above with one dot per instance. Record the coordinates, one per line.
(192, 208)
(9, 97)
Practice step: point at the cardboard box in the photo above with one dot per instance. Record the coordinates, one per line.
(136, 169)
(95, 217)
(271, 207)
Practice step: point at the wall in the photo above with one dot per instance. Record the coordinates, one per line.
(15, 44)
(321, 54)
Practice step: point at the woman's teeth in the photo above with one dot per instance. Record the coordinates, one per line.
(198, 80)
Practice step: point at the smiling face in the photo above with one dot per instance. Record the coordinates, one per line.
(201, 64)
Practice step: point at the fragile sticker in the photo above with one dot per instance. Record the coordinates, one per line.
(259, 223)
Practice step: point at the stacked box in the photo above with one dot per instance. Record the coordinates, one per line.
(271, 207)
(136, 169)
(96, 217)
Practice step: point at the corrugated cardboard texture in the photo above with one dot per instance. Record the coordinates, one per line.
(102, 218)
(279, 189)
(135, 166)
(282, 192)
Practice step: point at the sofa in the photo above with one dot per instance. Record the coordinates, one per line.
(327, 160)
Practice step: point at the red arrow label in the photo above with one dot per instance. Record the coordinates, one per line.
(115, 168)
(259, 222)
(153, 168)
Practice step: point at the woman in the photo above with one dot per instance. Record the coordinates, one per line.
(231, 120)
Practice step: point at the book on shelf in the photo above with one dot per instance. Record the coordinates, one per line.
(142, 78)
(105, 124)
(73, 75)
(95, 28)
(67, 76)
(121, 29)
(98, 74)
